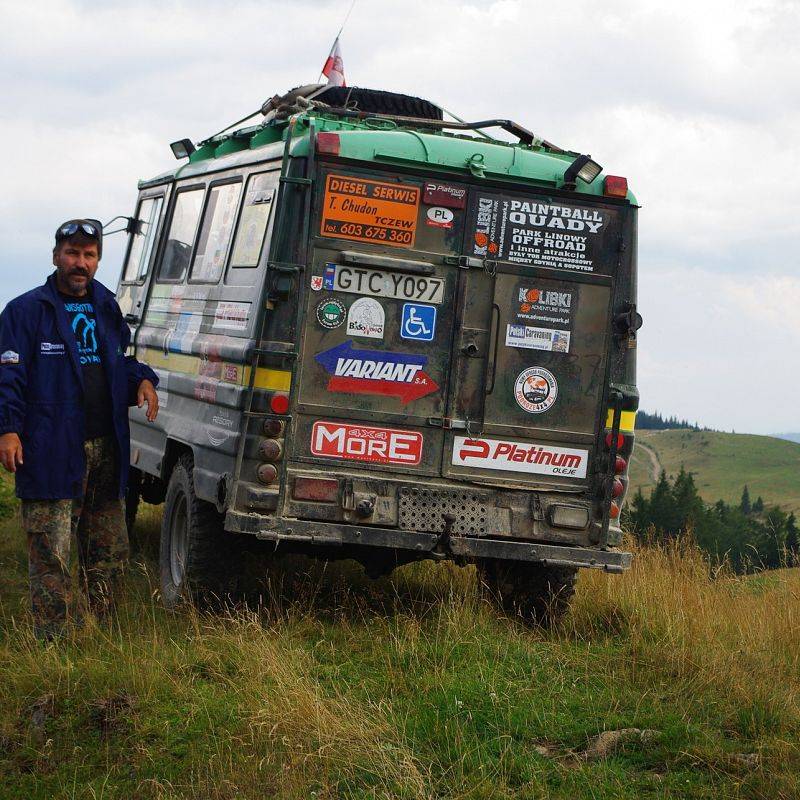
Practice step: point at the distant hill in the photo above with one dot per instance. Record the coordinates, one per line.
(722, 464)
(790, 437)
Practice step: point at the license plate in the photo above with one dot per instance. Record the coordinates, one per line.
(376, 283)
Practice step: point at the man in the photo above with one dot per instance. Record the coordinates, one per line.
(65, 388)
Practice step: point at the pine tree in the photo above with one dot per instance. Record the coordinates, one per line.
(758, 506)
(744, 505)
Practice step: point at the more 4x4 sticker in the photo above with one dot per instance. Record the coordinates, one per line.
(331, 313)
(535, 390)
(538, 459)
(361, 443)
(376, 372)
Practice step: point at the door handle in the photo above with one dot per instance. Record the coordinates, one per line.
(470, 350)
(131, 319)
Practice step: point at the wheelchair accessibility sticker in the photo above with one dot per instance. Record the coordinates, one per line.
(418, 322)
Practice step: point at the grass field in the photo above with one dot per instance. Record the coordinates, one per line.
(722, 464)
(409, 687)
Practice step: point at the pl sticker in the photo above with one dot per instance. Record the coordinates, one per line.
(366, 318)
(328, 275)
(418, 322)
(331, 313)
(535, 390)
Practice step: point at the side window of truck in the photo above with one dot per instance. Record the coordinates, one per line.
(252, 230)
(216, 232)
(182, 232)
(142, 242)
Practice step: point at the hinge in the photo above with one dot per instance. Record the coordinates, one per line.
(296, 181)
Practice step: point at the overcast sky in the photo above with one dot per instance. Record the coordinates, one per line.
(698, 104)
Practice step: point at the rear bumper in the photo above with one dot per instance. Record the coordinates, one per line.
(426, 544)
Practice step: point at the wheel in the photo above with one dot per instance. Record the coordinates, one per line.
(380, 102)
(198, 559)
(538, 593)
(132, 498)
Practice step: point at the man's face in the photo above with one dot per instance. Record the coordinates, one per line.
(76, 262)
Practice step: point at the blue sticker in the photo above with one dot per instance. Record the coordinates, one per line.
(328, 275)
(418, 322)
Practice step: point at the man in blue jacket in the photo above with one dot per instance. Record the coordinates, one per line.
(65, 387)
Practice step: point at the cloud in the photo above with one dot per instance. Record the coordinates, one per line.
(698, 104)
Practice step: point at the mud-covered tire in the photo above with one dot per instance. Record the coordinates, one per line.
(132, 499)
(198, 560)
(380, 102)
(538, 594)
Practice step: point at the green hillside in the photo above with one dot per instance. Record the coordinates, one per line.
(722, 463)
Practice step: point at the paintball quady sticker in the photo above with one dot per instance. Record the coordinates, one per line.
(535, 390)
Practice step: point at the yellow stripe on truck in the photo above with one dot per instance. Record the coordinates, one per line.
(275, 380)
(627, 421)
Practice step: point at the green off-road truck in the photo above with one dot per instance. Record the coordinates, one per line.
(387, 337)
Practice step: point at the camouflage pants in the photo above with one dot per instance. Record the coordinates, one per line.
(98, 521)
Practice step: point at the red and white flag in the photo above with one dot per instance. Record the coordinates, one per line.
(334, 66)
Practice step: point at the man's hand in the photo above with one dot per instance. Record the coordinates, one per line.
(10, 451)
(147, 394)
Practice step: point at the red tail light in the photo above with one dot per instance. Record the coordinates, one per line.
(328, 143)
(279, 403)
(620, 441)
(620, 465)
(267, 473)
(617, 488)
(270, 450)
(273, 427)
(322, 490)
(613, 186)
(613, 511)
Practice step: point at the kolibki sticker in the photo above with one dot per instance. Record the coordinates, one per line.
(376, 372)
(361, 443)
(535, 390)
(525, 336)
(392, 285)
(538, 459)
(366, 318)
(331, 313)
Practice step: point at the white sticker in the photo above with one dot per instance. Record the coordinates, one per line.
(316, 283)
(52, 348)
(396, 285)
(439, 217)
(366, 318)
(9, 357)
(231, 316)
(535, 390)
(537, 338)
(539, 459)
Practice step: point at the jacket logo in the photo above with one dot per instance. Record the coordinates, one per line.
(52, 348)
(9, 357)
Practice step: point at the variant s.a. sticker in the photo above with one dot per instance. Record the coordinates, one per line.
(366, 318)
(376, 372)
(538, 459)
(370, 211)
(361, 443)
(535, 390)
(531, 338)
(418, 322)
(9, 357)
(331, 313)
(231, 316)
(393, 285)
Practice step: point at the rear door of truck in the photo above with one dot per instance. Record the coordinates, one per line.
(454, 332)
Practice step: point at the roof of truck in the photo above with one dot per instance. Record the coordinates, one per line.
(378, 140)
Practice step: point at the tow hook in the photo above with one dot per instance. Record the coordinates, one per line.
(365, 508)
(442, 548)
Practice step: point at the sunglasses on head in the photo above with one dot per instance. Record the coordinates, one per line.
(71, 228)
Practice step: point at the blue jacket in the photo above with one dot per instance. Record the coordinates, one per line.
(41, 388)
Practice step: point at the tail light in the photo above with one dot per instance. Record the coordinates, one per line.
(614, 186)
(279, 403)
(620, 465)
(267, 473)
(273, 427)
(270, 450)
(614, 511)
(620, 441)
(321, 490)
(617, 488)
(328, 143)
